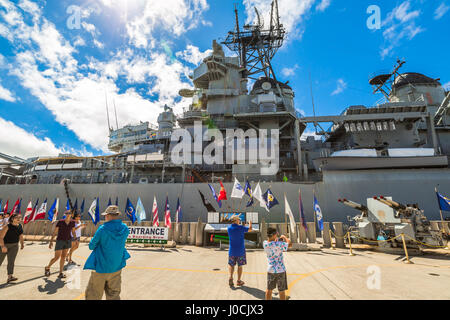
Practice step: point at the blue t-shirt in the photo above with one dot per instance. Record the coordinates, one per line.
(237, 245)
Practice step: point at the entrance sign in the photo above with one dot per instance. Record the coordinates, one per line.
(148, 235)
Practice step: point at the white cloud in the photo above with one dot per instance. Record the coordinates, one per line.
(324, 4)
(19, 142)
(193, 55)
(441, 11)
(447, 86)
(289, 72)
(399, 25)
(341, 86)
(79, 42)
(173, 16)
(310, 133)
(292, 13)
(6, 95)
(75, 94)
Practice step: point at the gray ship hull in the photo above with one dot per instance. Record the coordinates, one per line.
(406, 186)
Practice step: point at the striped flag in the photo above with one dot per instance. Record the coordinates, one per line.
(40, 215)
(167, 220)
(179, 215)
(155, 213)
(5, 209)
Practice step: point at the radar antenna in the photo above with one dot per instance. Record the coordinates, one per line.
(256, 45)
(383, 82)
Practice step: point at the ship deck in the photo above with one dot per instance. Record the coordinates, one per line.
(187, 273)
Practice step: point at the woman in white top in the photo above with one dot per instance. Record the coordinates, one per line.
(76, 241)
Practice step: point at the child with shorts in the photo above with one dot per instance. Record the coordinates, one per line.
(276, 273)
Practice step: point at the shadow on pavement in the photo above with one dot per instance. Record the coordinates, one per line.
(51, 287)
(257, 293)
(21, 282)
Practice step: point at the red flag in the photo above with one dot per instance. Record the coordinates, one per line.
(27, 218)
(168, 221)
(16, 205)
(222, 193)
(5, 209)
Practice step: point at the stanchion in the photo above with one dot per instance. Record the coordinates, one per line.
(350, 244)
(331, 240)
(406, 251)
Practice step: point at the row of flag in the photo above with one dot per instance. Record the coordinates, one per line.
(137, 213)
(266, 200)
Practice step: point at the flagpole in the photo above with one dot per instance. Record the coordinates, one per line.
(314, 211)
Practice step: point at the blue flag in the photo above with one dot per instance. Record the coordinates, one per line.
(444, 202)
(117, 201)
(318, 213)
(215, 195)
(109, 202)
(75, 207)
(68, 205)
(94, 211)
(270, 199)
(53, 211)
(130, 211)
(248, 192)
(82, 207)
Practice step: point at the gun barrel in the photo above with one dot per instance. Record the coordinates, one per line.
(396, 205)
(353, 204)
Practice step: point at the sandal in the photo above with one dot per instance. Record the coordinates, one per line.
(231, 283)
(12, 279)
(240, 283)
(61, 276)
(47, 272)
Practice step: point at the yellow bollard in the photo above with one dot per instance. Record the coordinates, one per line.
(406, 251)
(350, 244)
(331, 240)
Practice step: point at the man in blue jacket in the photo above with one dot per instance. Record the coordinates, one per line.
(108, 257)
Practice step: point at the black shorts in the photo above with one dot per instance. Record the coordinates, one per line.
(277, 280)
(63, 245)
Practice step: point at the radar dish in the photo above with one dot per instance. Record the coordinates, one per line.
(186, 93)
(266, 86)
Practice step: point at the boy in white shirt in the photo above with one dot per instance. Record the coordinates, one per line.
(276, 273)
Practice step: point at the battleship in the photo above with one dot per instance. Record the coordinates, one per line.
(399, 147)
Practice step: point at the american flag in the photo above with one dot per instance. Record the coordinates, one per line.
(168, 221)
(155, 214)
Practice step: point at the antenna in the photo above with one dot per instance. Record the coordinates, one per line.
(383, 82)
(115, 110)
(107, 112)
(257, 46)
(312, 99)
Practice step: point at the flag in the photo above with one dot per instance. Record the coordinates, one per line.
(40, 214)
(444, 202)
(258, 196)
(302, 212)
(167, 220)
(238, 191)
(222, 193)
(270, 199)
(109, 202)
(31, 218)
(5, 209)
(155, 213)
(248, 191)
(27, 217)
(67, 205)
(288, 212)
(179, 214)
(82, 208)
(318, 213)
(53, 212)
(215, 195)
(130, 211)
(16, 206)
(117, 201)
(75, 207)
(94, 211)
(140, 211)
(209, 207)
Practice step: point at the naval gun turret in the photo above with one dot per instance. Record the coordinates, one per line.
(383, 219)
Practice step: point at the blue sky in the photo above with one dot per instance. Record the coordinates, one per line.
(55, 72)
